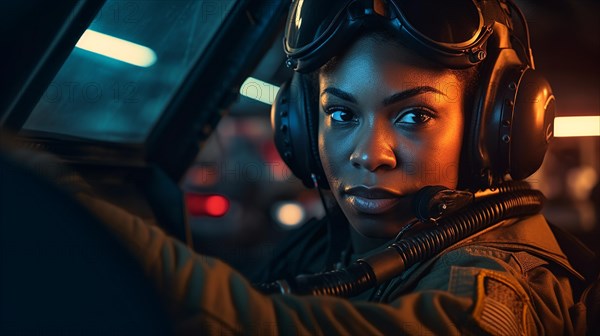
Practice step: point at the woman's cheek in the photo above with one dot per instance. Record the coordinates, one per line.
(443, 154)
(327, 161)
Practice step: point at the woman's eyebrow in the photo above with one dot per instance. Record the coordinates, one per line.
(340, 94)
(410, 93)
(389, 100)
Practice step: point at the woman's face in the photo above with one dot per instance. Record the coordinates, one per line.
(389, 124)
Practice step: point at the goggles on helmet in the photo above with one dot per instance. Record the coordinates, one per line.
(452, 32)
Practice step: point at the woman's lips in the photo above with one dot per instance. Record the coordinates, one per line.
(371, 200)
(371, 206)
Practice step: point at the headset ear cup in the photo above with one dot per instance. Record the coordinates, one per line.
(488, 138)
(513, 122)
(295, 134)
(280, 123)
(533, 121)
(283, 118)
(310, 111)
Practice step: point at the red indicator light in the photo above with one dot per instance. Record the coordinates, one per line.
(216, 205)
(206, 205)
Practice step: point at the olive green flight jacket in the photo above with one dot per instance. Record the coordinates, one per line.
(511, 279)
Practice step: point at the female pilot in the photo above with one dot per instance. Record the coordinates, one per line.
(403, 110)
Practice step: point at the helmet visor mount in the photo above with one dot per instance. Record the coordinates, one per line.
(450, 32)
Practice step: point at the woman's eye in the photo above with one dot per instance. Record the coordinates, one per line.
(342, 116)
(414, 117)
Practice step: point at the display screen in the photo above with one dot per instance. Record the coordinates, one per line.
(126, 68)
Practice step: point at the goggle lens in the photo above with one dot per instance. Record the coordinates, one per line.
(308, 20)
(443, 21)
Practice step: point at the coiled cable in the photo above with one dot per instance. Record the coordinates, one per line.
(513, 186)
(513, 200)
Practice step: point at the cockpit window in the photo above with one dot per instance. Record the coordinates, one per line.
(125, 69)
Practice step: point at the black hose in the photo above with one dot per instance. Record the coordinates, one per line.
(513, 186)
(482, 214)
(380, 267)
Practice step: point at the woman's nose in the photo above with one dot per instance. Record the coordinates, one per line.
(374, 150)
